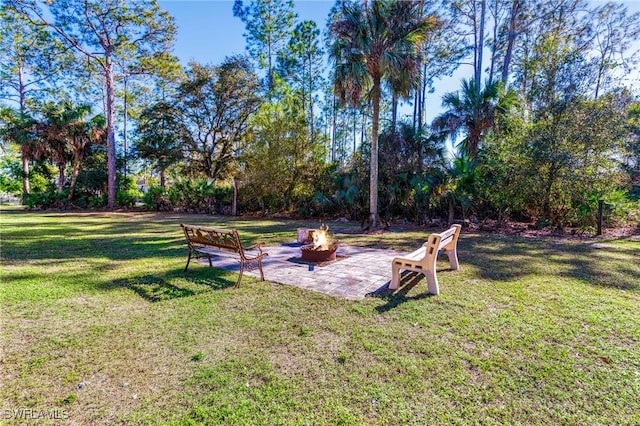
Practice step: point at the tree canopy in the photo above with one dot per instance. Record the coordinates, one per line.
(333, 119)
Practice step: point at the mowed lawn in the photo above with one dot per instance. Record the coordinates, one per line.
(100, 323)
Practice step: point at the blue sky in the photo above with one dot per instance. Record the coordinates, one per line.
(208, 32)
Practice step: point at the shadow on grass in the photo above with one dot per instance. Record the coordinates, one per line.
(408, 281)
(176, 284)
(499, 258)
(50, 237)
(115, 235)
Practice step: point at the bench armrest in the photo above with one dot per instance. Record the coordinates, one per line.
(256, 246)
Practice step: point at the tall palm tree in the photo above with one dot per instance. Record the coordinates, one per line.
(54, 134)
(20, 129)
(83, 134)
(374, 42)
(472, 111)
(67, 134)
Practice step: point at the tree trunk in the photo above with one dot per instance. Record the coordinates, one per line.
(451, 212)
(480, 45)
(355, 131)
(394, 111)
(373, 181)
(422, 66)
(270, 69)
(363, 127)
(494, 45)
(416, 100)
(423, 96)
(124, 128)
(25, 158)
(513, 21)
(25, 177)
(311, 123)
(74, 177)
(599, 78)
(333, 131)
(111, 141)
(163, 179)
(234, 203)
(60, 177)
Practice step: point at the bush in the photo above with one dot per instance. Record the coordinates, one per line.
(156, 198)
(49, 199)
(127, 193)
(97, 201)
(126, 198)
(620, 208)
(200, 196)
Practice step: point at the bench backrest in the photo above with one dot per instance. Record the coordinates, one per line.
(199, 236)
(446, 240)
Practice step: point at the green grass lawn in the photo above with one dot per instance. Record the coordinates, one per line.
(100, 325)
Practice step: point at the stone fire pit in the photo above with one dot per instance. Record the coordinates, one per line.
(312, 254)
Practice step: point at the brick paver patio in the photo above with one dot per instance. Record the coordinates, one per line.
(357, 272)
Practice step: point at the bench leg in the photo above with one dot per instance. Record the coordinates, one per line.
(453, 258)
(188, 260)
(432, 282)
(395, 276)
(240, 274)
(260, 268)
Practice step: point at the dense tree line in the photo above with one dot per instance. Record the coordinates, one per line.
(311, 121)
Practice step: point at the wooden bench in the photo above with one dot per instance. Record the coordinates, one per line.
(207, 242)
(424, 259)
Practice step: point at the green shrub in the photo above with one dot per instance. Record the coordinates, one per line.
(48, 199)
(126, 198)
(97, 201)
(157, 198)
(200, 196)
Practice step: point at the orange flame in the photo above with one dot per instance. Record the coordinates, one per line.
(321, 238)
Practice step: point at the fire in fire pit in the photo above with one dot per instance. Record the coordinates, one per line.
(322, 249)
